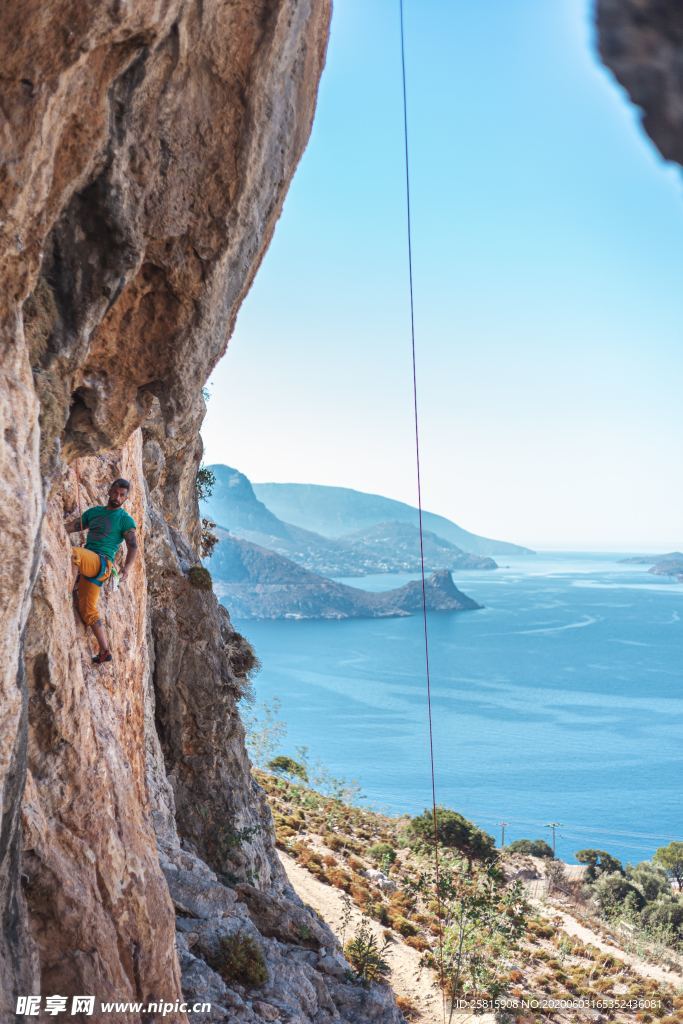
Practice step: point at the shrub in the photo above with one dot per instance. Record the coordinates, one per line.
(652, 880)
(454, 832)
(205, 482)
(531, 847)
(664, 915)
(366, 956)
(408, 1008)
(200, 578)
(339, 878)
(208, 538)
(287, 766)
(599, 863)
(383, 854)
(615, 894)
(240, 959)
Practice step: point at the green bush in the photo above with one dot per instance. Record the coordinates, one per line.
(599, 863)
(652, 880)
(289, 767)
(664, 915)
(531, 847)
(240, 959)
(383, 854)
(204, 483)
(200, 578)
(453, 831)
(615, 894)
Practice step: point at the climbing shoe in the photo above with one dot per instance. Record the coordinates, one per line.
(99, 659)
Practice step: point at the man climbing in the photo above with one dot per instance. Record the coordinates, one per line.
(107, 526)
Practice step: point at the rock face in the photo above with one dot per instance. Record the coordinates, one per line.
(641, 41)
(147, 152)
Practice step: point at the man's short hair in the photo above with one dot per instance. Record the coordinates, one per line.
(121, 483)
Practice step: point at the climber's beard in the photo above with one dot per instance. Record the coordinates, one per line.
(114, 502)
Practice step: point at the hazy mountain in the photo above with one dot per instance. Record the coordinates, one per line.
(259, 584)
(400, 542)
(335, 511)
(385, 547)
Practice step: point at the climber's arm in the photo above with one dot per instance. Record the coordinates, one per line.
(73, 525)
(131, 540)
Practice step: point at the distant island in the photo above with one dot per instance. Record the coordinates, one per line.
(660, 565)
(256, 583)
(289, 562)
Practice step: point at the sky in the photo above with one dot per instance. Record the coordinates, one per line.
(548, 264)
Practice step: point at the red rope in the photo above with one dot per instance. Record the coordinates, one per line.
(437, 870)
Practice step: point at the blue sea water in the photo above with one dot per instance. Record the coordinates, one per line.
(561, 701)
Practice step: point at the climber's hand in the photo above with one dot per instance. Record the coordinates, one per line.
(124, 576)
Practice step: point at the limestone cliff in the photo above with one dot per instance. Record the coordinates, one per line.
(147, 149)
(642, 42)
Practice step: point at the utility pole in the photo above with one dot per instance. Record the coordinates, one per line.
(554, 825)
(503, 826)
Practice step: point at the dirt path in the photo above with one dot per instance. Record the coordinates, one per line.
(573, 927)
(407, 979)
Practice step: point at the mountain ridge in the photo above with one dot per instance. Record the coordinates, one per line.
(334, 511)
(382, 548)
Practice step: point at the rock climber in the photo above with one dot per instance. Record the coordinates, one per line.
(107, 526)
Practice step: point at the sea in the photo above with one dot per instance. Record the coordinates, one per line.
(557, 709)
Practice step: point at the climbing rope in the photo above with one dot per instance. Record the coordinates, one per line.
(437, 870)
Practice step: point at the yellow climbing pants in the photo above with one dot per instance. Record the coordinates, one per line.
(88, 564)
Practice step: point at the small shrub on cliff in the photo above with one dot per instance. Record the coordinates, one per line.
(366, 956)
(204, 483)
(208, 539)
(243, 660)
(240, 959)
(200, 578)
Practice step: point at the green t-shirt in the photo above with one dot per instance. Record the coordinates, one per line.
(106, 527)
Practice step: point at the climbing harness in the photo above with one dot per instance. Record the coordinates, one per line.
(437, 871)
(102, 575)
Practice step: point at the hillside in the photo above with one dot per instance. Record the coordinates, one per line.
(360, 869)
(256, 583)
(386, 547)
(335, 511)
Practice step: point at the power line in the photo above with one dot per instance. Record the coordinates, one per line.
(597, 829)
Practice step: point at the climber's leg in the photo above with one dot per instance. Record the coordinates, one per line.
(88, 562)
(101, 637)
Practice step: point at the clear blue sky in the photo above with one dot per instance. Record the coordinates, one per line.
(548, 248)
